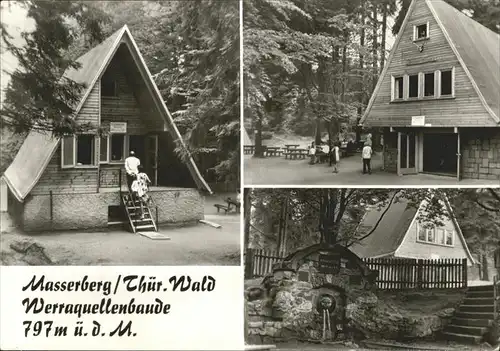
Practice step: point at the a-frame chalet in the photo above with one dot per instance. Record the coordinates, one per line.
(438, 97)
(79, 181)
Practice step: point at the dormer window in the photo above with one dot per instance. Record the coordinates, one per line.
(437, 236)
(421, 31)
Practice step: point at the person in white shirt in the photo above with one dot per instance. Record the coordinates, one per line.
(335, 157)
(367, 157)
(131, 167)
(312, 153)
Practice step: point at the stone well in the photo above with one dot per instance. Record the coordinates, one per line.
(306, 296)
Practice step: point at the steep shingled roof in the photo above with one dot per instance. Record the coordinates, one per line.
(37, 150)
(390, 232)
(478, 47)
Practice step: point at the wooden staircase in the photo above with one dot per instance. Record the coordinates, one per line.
(132, 207)
(474, 318)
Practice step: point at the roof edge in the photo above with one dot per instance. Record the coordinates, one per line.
(388, 62)
(402, 238)
(12, 189)
(77, 111)
(462, 63)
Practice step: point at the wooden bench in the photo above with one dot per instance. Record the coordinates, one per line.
(222, 207)
(248, 149)
(296, 153)
(273, 151)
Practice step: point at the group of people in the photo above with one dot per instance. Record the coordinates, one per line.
(332, 151)
(137, 181)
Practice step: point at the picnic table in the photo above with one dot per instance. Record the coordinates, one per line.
(273, 151)
(296, 153)
(248, 149)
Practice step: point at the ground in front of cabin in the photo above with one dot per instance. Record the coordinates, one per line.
(278, 170)
(192, 245)
(437, 346)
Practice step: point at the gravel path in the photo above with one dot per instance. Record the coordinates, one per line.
(277, 170)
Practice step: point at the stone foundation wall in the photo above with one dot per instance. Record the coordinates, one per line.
(481, 153)
(90, 211)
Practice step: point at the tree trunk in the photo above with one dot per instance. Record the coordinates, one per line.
(247, 213)
(280, 226)
(361, 71)
(375, 46)
(484, 267)
(259, 150)
(384, 35)
(317, 130)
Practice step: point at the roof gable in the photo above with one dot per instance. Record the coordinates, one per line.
(473, 98)
(483, 62)
(393, 228)
(390, 231)
(39, 147)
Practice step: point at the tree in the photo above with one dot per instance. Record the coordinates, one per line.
(38, 97)
(332, 216)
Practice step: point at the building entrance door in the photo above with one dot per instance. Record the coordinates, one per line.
(407, 155)
(440, 153)
(152, 158)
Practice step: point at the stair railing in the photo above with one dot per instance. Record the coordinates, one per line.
(131, 198)
(153, 203)
(496, 296)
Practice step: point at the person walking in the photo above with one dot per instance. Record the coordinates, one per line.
(335, 157)
(367, 158)
(131, 168)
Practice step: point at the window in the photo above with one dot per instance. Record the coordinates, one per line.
(422, 234)
(435, 84)
(108, 87)
(413, 86)
(104, 150)
(421, 31)
(117, 147)
(68, 152)
(429, 84)
(85, 150)
(78, 151)
(431, 236)
(437, 236)
(446, 82)
(398, 88)
(440, 236)
(449, 237)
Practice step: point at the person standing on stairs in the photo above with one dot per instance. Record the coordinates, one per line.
(131, 168)
(140, 188)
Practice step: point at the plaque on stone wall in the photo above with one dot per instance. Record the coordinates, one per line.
(329, 264)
